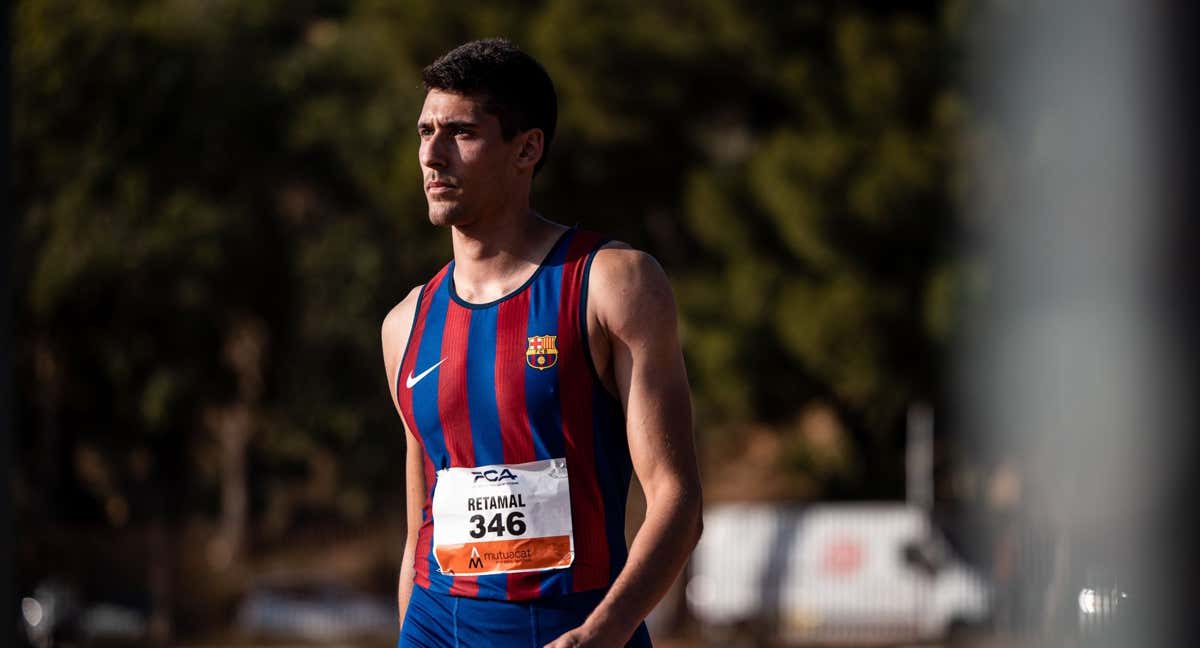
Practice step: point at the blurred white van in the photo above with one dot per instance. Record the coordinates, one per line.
(860, 573)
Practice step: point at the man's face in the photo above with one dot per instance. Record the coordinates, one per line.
(466, 164)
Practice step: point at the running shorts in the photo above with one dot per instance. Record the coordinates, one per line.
(443, 621)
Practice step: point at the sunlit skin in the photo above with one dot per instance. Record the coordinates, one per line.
(470, 172)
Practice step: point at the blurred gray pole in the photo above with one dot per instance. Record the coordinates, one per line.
(1072, 358)
(918, 457)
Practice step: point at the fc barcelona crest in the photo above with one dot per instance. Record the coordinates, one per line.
(542, 352)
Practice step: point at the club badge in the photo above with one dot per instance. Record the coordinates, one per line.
(542, 352)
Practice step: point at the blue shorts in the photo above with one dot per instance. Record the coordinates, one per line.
(443, 621)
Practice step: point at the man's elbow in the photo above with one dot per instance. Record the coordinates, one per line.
(680, 504)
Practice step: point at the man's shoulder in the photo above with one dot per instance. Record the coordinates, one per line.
(398, 321)
(618, 264)
(624, 281)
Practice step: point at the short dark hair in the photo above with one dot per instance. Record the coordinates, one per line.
(514, 87)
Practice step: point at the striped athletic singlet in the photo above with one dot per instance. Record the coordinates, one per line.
(489, 388)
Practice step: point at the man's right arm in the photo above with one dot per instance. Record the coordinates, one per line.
(414, 486)
(396, 328)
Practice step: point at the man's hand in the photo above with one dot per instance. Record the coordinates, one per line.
(582, 637)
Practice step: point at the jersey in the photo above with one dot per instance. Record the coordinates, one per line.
(502, 385)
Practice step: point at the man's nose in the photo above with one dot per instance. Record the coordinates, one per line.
(432, 153)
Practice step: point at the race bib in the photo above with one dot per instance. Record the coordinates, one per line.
(503, 518)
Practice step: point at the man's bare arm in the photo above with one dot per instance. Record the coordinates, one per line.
(414, 487)
(396, 328)
(634, 306)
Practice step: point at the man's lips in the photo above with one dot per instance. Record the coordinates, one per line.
(439, 186)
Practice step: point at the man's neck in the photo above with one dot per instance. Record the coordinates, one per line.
(492, 258)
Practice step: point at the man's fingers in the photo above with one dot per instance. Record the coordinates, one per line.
(565, 641)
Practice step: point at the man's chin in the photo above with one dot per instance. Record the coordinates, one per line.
(444, 217)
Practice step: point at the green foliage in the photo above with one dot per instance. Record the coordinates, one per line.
(183, 167)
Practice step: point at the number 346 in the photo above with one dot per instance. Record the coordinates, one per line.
(514, 524)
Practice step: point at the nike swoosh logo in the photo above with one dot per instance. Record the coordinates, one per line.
(412, 380)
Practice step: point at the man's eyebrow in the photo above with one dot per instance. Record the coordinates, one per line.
(455, 123)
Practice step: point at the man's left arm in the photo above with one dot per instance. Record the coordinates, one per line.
(633, 304)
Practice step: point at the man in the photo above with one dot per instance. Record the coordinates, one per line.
(533, 374)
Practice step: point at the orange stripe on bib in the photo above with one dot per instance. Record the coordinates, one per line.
(505, 556)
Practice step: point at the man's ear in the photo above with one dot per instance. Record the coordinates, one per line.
(532, 142)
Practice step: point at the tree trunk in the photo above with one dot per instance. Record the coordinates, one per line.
(233, 426)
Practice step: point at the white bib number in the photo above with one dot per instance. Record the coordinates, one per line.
(503, 518)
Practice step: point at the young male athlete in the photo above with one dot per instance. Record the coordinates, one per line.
(534, 373)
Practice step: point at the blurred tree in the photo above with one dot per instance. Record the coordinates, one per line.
(794, 166)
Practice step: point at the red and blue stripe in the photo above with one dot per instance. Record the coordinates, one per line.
(487, 406)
